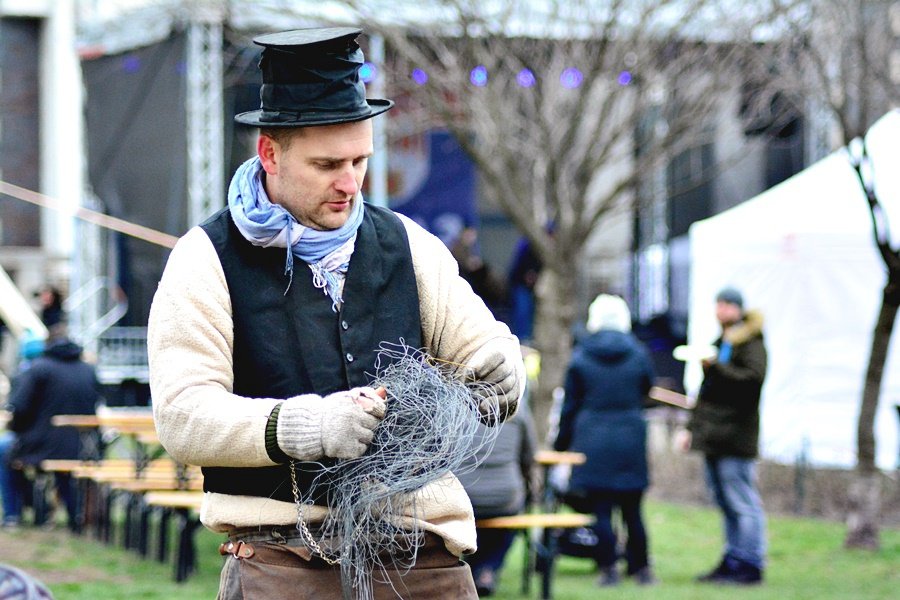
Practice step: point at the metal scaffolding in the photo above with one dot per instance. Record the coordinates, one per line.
(204, 114)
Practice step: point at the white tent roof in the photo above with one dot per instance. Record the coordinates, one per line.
(803, 253)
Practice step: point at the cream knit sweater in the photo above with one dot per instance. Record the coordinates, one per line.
(201, 422)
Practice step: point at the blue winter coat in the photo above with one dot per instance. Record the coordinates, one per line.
(607, 381)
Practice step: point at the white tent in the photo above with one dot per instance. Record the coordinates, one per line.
(803, 253)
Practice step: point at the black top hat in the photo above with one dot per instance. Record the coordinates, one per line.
(311, 77)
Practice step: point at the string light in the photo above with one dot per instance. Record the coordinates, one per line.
(571, 78)
(368, 72)
(419, 76)
(525, 78)
(479, 76)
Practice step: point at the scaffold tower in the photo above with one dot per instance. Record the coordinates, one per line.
(204, 112)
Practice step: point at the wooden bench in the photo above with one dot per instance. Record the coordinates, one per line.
(100, 482)
(546, 550)
(137, 425)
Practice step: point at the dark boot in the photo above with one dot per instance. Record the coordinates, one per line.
(713, 575)
(733, 571)
(744, 574)
(609, 576)
(645, 576)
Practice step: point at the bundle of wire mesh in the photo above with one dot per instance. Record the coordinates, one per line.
(430, 428)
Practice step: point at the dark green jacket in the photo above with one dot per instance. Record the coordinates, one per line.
(725, 421)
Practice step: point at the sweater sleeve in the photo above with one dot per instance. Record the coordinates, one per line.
(455, 321)
(190, 341)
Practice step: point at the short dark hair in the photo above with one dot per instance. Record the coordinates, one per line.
(282, 135)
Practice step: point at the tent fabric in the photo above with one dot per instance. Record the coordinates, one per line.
(136, 129)
(804, 254)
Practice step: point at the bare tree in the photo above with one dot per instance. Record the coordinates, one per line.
(837, 62)
(563, 107)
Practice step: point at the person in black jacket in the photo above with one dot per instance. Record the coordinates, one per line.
(57, 382)
(606, 384)
(724, 426)
(499, 486)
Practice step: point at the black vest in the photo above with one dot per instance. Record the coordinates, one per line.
(287, 344)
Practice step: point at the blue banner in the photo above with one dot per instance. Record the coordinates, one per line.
(432, 181)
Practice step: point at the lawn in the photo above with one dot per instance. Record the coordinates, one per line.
(806, 561)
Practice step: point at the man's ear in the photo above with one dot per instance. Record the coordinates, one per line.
(268, 151)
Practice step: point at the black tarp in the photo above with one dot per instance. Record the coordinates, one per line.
(137, 156)
(20, 164)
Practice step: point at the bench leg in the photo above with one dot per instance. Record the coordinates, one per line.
(143, 527)
(39, 498)
(185, 560)
(528, 565)
(104, 520)
(128, 524)
(548, 551)
(162, 535)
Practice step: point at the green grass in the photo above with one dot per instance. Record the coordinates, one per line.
(806, 561)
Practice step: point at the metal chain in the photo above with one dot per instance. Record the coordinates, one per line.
(301, 522)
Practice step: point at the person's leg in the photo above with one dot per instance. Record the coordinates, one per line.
(636, 545)
(9, 486)
(65, 489)
(606, 551)
(605, 554)
(714, 485)
(493, 544)
(747, 535)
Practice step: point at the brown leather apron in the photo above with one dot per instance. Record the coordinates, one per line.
(284, 569)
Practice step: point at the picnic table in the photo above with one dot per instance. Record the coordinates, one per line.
(147, 470)
(136, 425)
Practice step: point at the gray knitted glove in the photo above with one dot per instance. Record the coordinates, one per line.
(340, 425)
(500, 399)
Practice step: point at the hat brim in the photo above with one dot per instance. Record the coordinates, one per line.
(376, 107)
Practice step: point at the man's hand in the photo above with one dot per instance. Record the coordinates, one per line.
(340, 425)
(501, 395)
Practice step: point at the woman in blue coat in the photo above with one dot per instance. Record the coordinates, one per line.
(606, 384)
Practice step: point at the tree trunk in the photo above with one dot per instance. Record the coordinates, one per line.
(864, 511)
(554, 316)
(865, 494)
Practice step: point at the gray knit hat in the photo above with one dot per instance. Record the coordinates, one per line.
(731, 295)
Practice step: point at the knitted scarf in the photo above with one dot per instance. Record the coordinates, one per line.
(263, 223)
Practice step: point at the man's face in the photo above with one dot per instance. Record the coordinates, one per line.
(317, 174)
(727, 313)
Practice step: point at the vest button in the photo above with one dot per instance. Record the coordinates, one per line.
(349, 357)
(344, 325)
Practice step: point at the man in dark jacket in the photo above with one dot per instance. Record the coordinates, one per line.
(725, 428)
(57, 382)
(607, 381)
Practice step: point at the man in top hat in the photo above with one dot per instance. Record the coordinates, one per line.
(264, 331)
(724, 426)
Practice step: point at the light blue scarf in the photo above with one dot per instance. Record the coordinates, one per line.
(265, 224)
